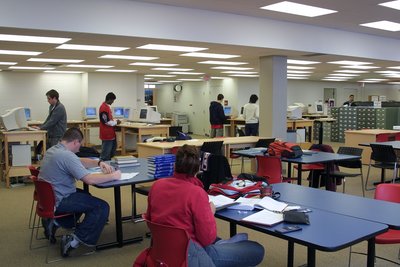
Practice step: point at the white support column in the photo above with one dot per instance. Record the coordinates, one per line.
(273, 96)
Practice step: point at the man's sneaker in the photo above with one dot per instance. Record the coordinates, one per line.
(66, 245)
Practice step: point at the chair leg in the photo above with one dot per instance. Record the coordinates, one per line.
(362, 181)
(344, 184)
(30, 216)
(350, 250)
(366, 181)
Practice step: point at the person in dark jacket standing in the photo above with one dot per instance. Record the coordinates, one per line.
(217, 117)
(56, 122)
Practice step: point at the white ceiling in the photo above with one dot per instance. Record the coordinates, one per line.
(350, 14)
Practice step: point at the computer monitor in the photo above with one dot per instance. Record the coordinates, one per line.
(154, 108)
(241, 110)
(227, 110)
(118, 112)
(14, 119)
(27, 114)
(127, 113)
(89, 113)
(294, 112)
(147, 114)
(316, 108)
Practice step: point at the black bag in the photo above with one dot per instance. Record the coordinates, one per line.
(252, 177)
(292, 216)
(87, 152)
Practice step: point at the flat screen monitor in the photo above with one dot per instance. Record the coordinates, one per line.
(154, 108)
(227, 110)
(89, 113)
(118, 112)
(27, 114)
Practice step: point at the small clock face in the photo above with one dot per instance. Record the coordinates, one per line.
(178, 88)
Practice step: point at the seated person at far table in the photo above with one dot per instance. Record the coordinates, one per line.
(195, 214)
(61, 168)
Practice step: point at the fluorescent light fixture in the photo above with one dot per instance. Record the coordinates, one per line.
(30, 68)
(216, 62)
(128, 57)
(169, 81)
(148, 78)
(387, 71)
(191, 80)
(92, 47)
(299, 68)
(383, 25)
(230, 68)
(391, 4)
(334, 79)
(89, 66)
(241, 72)
(153, 64)
(63, 71)
(351, 71)
(298, 9)
(301, 62)
(209, 55)
(375, 80)
(349, 62)
(33, 39)
(178, 48)
(186, 73)
(344, 75)
(159, 75)
(393, 82)
(115, 70)
(297, 78)
(367, 81)
(243, 75)
(19, 53)
(218, 78)
(299, 71)
(58, 60)
(172, 69)
(298, 75)
(8, 63)
(360, 67)
(394, 67)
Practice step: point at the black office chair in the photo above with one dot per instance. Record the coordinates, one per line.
(212, 147)
(349, 164)
(264, 142)
(385, 158)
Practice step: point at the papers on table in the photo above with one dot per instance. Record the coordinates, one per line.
(128, 175)
(264, 203)
(221, 201)
(245, 203)
(264, 217)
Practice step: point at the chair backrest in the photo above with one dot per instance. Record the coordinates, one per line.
(388, 192)
(45, 199)
(34, 171)
(218, 170)
(383, 153)
(212, 147)
(354, 151)
(174, 149)
(264, 142)
(270, 167)
(169, 245)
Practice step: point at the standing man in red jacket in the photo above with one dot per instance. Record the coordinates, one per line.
(107, 128)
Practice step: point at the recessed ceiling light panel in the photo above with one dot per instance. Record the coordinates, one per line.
(128, 57)
(227, 63)
(55, 60)
(209, 55)
(383, 25)
(177, 48)
(301, 62)
(92, 47)
(153, 64)
(298, 9)
(33, 39)
(19, 53)
(391, 4)
(89, 66)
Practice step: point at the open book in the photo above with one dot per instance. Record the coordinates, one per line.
(264, 217)
(221, 201)
(264, 203)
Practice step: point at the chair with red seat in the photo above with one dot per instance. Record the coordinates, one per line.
(270, 168)
(386, 192)
(45, 210)
(169, 246)
(34, 174)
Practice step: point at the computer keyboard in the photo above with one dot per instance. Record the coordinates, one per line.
(32, 129)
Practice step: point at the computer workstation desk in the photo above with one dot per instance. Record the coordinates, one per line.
(20, 137)
(158, 148)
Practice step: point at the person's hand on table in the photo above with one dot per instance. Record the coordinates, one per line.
(116, 175)
(106, 168)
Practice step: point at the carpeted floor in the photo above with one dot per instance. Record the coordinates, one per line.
(15, 206)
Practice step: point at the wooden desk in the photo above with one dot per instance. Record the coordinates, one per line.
(140, 131)
(88, 124)
(157, 148)
(167, 121)
(22, 137)
(355, 137)
(314, 116)
(234, 123)
(308, 124)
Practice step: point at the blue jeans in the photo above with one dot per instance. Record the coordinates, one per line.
(96, 214)
(251, 129)
(108, 148)
(239, 254)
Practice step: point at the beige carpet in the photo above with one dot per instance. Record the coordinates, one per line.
(14, 235)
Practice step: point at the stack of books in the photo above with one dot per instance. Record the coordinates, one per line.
(161, 165)
(126, 161)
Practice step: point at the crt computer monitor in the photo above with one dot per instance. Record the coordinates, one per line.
(27, 114)
(14, 119)
(118, 112)
(154, 108)
(89, 113)
(227, 110)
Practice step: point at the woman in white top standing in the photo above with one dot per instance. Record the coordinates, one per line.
(251, 112)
